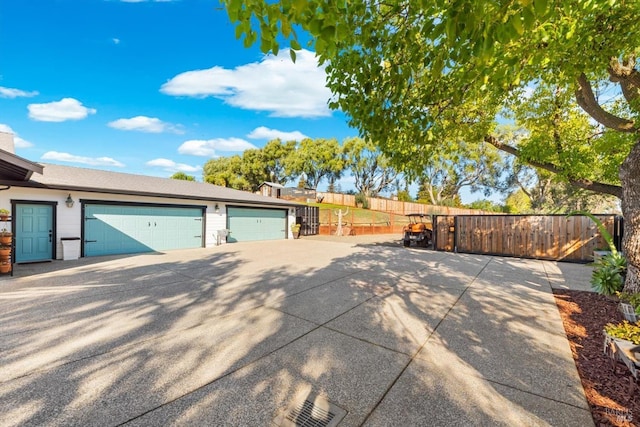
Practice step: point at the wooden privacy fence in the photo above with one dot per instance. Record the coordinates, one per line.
(553, 237)
(396, 206)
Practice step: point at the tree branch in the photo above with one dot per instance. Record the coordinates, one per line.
(587, 184)
(627, 76)
(587, 100)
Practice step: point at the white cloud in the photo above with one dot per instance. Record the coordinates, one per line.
(171, 166)
(115, 40)
(59, 111)
(8, 92)
(208, 148)
(19, 142)
(269, 134)
(70, 158)
(145, 124)
(275, 84)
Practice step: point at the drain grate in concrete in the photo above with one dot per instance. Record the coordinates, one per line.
(313, 411)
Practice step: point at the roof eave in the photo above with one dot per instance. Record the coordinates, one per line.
(32, 184)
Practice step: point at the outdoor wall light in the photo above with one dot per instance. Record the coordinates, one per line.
(216, 208)
(69, 201)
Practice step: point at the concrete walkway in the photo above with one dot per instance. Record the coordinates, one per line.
(234, 335)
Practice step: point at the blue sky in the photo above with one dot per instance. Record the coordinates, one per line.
(148, 87)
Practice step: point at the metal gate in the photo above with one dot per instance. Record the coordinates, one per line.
(309, 219)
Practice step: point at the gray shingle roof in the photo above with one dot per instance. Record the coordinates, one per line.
(93, 180)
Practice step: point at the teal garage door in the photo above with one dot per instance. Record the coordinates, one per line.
(248, 224)
(128, 229)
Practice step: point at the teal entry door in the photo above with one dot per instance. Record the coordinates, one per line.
(34, 232)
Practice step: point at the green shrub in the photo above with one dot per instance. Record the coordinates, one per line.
(361, 198)
(624, 331)
(608, 274)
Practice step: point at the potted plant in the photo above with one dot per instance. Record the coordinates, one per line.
(295, 229)
(5, 266)
(4, 214)
(5, 252)
(5, 237)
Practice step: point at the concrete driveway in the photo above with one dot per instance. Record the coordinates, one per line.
(239, 334)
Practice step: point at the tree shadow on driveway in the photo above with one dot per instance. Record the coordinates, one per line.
(230, 336)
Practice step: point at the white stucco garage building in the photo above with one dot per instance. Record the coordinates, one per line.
(118, 213)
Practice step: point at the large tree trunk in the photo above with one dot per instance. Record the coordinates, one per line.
(630, 179)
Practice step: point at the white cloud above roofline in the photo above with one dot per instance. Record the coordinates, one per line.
(275, 85)
(59, 111)
(71, 158)
(171, 166)
(146, 124)
(210, 147)
(8, 92)
(263, 132)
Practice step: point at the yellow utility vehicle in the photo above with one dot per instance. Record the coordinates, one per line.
(419, 230)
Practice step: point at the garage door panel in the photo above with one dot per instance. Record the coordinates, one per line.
(115, 229)
(250, 224)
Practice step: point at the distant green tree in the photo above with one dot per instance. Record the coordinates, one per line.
(549, 193)
(477, 166)
(517, 203)
(486, 205)
(183, 176)
(227, 172)
(332, 187)
(370, 168)
(274, 159)
(302, 182)
(317, 159)
(404, 196)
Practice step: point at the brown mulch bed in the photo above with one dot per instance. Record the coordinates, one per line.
(584, 314)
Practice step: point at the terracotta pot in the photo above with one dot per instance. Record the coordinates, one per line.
(5, 268)
(4, 217)
(6, 239)
(5, 252)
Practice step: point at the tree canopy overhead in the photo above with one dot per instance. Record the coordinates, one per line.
(417, 73)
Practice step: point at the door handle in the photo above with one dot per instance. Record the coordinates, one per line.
(50, 235)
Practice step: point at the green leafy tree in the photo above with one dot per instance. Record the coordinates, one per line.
(548, 193)
(317, 159)
(183, 176)
(404, 196)
(446, 172)
(254, 168)
(227, 172)
(411, 74)
(517, 202)
(369, 167)
(274, 158)
(486, 205)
